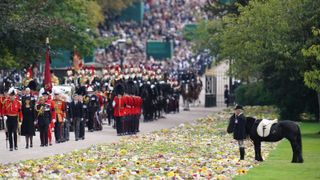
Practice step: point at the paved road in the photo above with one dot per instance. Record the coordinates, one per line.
(107, 135)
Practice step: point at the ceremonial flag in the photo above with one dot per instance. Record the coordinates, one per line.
(47, 73)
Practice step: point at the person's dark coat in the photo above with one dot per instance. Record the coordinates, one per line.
(237, 125)
(29, 116)
(77, 109)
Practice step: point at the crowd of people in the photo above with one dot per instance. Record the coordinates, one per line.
(164, 20)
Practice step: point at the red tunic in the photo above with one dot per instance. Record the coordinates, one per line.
(59, 108)
(118, 105)
(12, 108)
(127, 105)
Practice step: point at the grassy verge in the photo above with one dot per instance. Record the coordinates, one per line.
(278, 165)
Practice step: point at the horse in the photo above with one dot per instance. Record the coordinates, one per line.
(282, 129)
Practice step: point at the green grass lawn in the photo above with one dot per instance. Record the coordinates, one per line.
(279, 166)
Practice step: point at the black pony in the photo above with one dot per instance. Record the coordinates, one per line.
(283, 129)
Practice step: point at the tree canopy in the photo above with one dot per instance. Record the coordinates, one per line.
(24, 26)
(264, 42)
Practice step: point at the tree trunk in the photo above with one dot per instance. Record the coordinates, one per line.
(318, 93)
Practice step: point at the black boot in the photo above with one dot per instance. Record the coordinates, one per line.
(27, 142)
(242, 152)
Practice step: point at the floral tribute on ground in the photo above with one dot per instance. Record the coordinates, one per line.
(198, 150)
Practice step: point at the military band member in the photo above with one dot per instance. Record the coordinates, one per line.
(12, 114)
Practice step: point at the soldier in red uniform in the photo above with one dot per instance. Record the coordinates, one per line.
(131, 121)
(126, 109)
(118, 106)
(60, 114)
(12, 114)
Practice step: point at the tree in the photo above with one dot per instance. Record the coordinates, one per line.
(223, 7)
(312, 77)
(264, 42)
(24, 26)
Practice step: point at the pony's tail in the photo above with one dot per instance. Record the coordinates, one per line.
(299, 141)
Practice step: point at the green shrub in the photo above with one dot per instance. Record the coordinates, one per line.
(253, 94)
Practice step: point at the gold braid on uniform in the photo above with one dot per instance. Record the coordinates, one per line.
(40, 111)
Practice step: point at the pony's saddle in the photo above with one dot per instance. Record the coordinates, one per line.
(264, 127)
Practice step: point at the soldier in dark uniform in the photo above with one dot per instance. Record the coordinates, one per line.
(77, 116)
(93, 107)
(67, 123)
(29, 116)
(110, 97)
(237, 125)
(84, 117)
(43, 113)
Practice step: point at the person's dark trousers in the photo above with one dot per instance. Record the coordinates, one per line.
(12, 125)
(57, 131)
(82, 129)
(66, 130)
(109, 113)
(62, 125)
(242, 153)
(124, 123)
(119, 125)
(133, 122)
(1, 123)
(76, 123)
(90, 120)
(44, 134)
(137, 119)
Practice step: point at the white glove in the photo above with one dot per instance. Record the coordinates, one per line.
(5, 118)
(54, 120)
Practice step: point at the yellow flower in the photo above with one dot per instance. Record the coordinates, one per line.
(138, 163)
(242, 171)
(170, 174)
(123, 152)
(165, 130)
(68, 171)
(90, 160)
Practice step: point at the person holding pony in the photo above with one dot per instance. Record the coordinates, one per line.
(237, 125)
